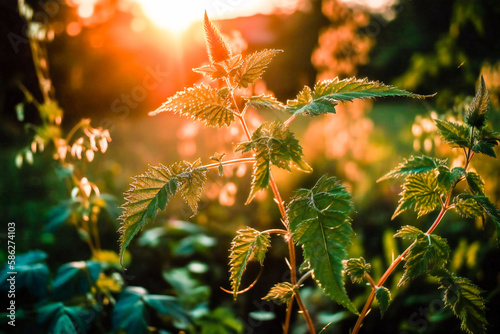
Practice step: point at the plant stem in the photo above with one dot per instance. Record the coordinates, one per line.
(36, 52)
(75, 128)
(303, 308)
(289, 305)
(444, 208)
(229, 162)
(30, 97)
(276, 231)
(291, 245)
(243, 124)
(95, 231)
(289, 120)
(370, 280)
(440, 216)
(248, 287)
(369, 301)
(395, 263)
(304, 277)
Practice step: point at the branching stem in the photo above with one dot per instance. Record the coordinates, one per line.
(291, 245)
(370, 280)
(229, 162)
(75, 128)
(445, 207)
(304, 277)
(276, 231)
(29, 96)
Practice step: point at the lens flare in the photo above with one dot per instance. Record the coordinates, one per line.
(174, 16)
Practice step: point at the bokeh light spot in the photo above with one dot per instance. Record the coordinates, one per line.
(73, 29)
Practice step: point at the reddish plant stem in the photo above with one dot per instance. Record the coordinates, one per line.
(303, 308)
(276, 231)
(289, 120)
(289, 307)
(395, 263)
(243, 124)
(444, 208)
(369, 301)
(291, 246)
(370, 280)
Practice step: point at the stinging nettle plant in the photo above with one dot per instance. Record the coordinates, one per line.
(318, 219)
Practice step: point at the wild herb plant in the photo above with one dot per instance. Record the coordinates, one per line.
(431, 184)
(318, 219)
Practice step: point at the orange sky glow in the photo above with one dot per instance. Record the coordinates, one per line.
(177, 16)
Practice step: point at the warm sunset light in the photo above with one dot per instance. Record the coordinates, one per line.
(177, 16)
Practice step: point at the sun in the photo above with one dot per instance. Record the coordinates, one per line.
(174, 16)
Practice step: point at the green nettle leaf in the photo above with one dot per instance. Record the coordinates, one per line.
(421, 192)
(489, 208)
(484, 148)
(456, 135)
(152, 190)
(254, 66)
(475, 183)
(264, 102)
(457, 173)
(383, 296)
(320, 223)
(476, 114)
(248, 243)
(448, 179)
(467, 208)
(304, 98)
(485, 143)
(217, 48)
(274, 145)
(356, 269)
(415, 165)
(428, 252)
(191, 184)
(213, 71)
(220, 70)
(201, 103)
(218, 157)
(464, 298)
(280, 293)
(327, 94)
(408, 232)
